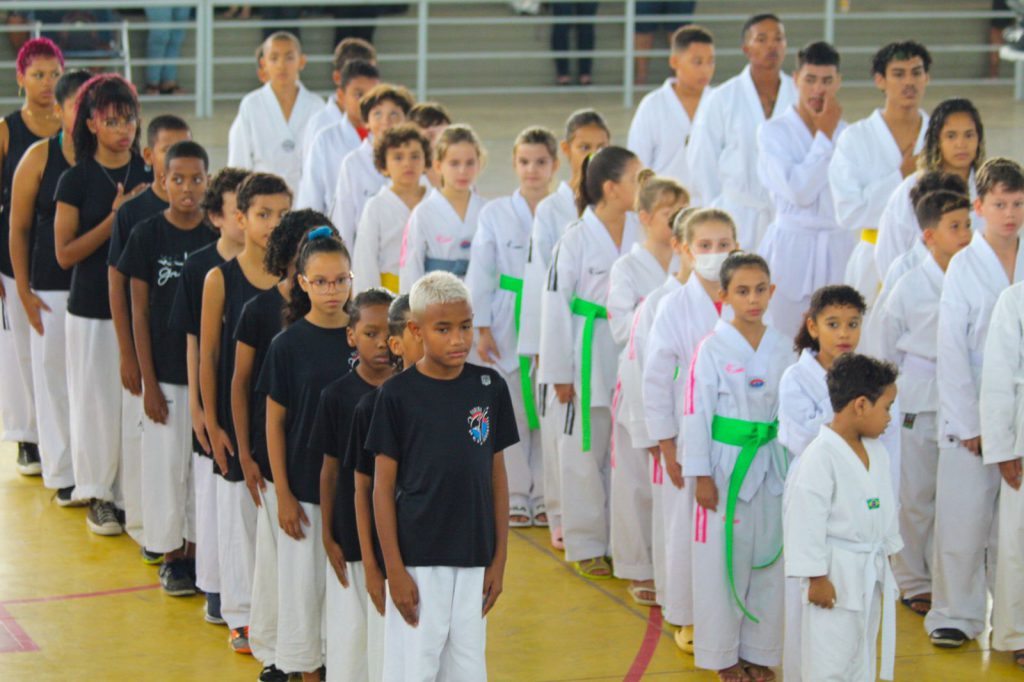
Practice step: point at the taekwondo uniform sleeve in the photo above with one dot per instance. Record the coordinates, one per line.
(856, 197)
(701, 398)
(482, 275)
(892, 326)
(533, 287)
(1001, 377)
(366, 255)
(412, 265)
(659, 385)
(346, 195)
(808, 503)
(800, 418)
(622, 301)
(557, 362)
(801, 183)
(641, 140)
(312, 191)
(958, 394)
(896, 228)
(703, 151)
(240, 153)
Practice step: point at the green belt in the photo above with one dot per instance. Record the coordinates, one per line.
(515, 285)
(589, 311)
(749, 436)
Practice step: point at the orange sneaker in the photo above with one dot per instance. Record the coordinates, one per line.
(239, 640)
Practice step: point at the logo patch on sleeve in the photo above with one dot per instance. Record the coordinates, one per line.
(479, 424)
(873, 503)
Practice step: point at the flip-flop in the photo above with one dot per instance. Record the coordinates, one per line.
(636, 590)
(910, 602)
(519, 516)
(538, 511)
(588, 567)
(734, 673)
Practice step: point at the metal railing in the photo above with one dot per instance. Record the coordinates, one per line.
(206, 26)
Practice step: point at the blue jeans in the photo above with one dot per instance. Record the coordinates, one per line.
(164, 43)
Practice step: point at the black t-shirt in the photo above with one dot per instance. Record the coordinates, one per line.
(361, 460)
(262, 320)
(92, 188)
(444, 434)
(131, 213)
(238, 291)
(301, 361)
(19, 139)
(330, 436)
(187, 309)
(156, 253)
(45, 274)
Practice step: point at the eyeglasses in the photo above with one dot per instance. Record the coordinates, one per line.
(112, 122)
(319, 285)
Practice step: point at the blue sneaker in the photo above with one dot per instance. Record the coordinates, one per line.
(175, 579)
(211, 614)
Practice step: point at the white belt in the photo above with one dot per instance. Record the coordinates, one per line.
(889, 593)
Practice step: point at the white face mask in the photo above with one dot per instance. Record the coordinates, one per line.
(709, 265)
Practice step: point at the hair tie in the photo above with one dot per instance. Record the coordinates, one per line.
(318, 233)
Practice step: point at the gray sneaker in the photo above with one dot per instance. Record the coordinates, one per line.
(102, 518)
(28, 460)
(176, 581)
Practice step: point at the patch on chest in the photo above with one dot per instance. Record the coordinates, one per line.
(479, 424)
(756, 383)
(485, 379)
(908, 421)
(873, 503)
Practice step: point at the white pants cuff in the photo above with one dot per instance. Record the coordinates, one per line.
(17, 404)
(168, 502)
(50, 387)
(207, 561)
(133, 415)
(584, 478)
(263, 611)
(236, 547)
(300, 596)
(631, 508)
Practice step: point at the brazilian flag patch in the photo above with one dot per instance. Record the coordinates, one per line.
(873, 503)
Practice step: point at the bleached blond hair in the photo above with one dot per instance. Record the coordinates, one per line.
(436, 288)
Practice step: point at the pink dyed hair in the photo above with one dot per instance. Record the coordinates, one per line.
(37, 48)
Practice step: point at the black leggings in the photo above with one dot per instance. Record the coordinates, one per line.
(584, 34)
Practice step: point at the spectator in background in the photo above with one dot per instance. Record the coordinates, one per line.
(280, 14)
(361, 12)
(584, 39)
(647, 27)
(996, 36)
(164, 43)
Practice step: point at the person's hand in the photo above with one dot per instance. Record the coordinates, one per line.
(131, 375)
(564, 393)
(828, 119)
(375, 585)
(337, 559)
(821, 592)
(494, 579)
(974, 445)
(675, 473)
(123, 197)
(199, 427)
(1011, 472)
(221, 445)
(707, 493)
(154, 404)
(406, 596)
(33, 306)
(486, 346)
(253, 479)
(909, 164)
(290, 515)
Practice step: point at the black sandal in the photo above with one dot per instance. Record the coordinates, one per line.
(911, 602)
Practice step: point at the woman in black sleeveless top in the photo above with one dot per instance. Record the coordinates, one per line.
(39, 65)
(43, 285)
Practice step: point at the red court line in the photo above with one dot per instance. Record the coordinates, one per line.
(647, 647)
(14, 639)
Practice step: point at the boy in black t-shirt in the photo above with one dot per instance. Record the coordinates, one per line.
(345, 604)
(441, 494)
(153, 259)
(405, 352)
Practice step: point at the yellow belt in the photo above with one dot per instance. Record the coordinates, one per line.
(389, 281)
(869, 235)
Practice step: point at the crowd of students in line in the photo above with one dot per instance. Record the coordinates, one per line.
(321, 384)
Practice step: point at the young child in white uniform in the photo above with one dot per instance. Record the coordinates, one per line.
(685, 315)
(323, 154)
(573, 308)
(832, 327)
(967, 491)
(1001, 431)
(874, 154)
(267, 133)
(401, 154)
(439, 234)
(344, 105)
(841, 528)
(954, 142)
(803, 245)
(729, 432)
(661, 125)
(723, 144)
(439, 430)
(585, 133)
(908, 322)
(632, 278)
(383, 108)
(497, 261)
